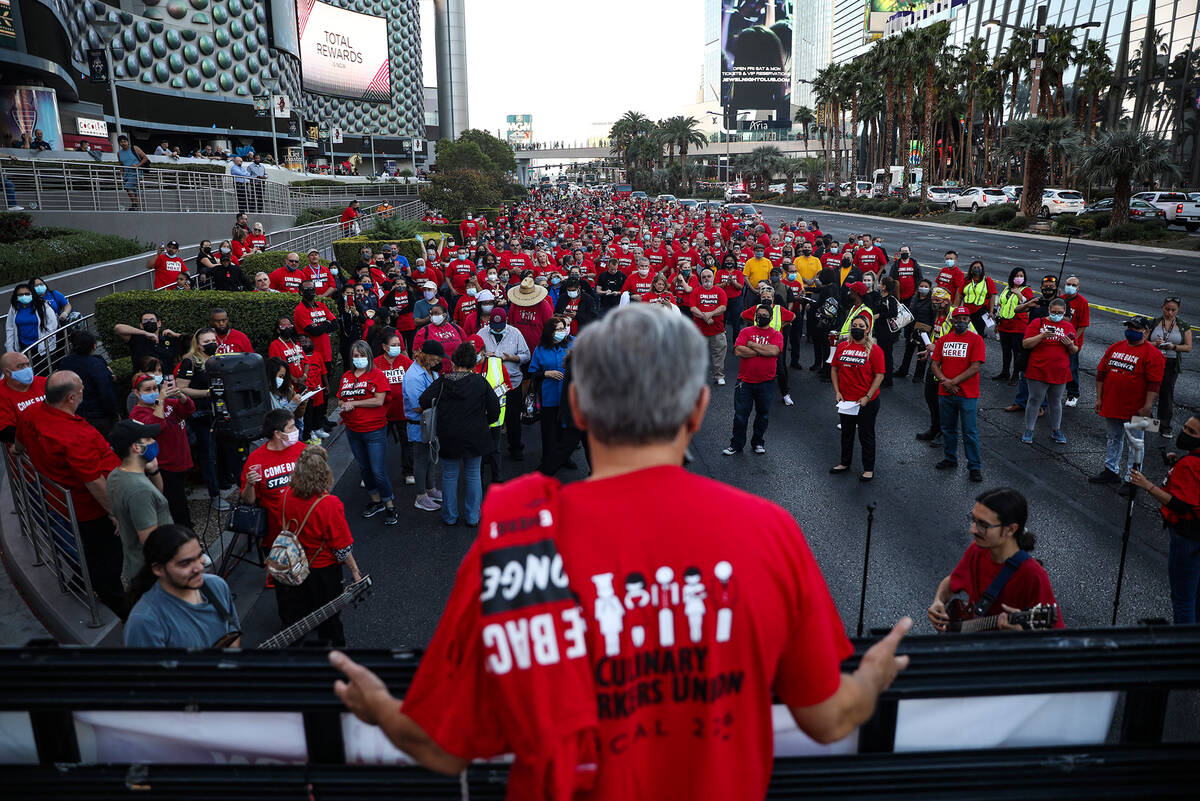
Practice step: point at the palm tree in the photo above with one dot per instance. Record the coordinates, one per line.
(1122, 156)
(1015, 60)
(974, 58)
(685, 133)
(761, 163)
(930, 50)
(850, 86)
(625, 132)
(823, 88)
(1098, 78)
(1060, 52)
(805, 116)
(1038, 139)
(907, 64)
(790, 168)
(810, 165)
(886, 60)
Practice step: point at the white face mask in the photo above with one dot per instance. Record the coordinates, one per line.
(293, 436)
(437, 319)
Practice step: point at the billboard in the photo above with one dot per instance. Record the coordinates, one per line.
(25, 109)
(8, 25)
(343, 53)
(756, 55)
(283, 26)
(880, 11)
(520, 129)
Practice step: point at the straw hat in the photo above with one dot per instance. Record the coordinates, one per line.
(527, 294)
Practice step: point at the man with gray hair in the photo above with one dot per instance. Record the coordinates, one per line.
(552, 648)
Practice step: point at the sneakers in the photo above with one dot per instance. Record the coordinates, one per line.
(760, 448)
(410, 480)
(1027, 437)
(220, 504)
(1058, 437)
(426, 504)
(373, 509)
(436, 494)
(1165, 431)
(731, 451)
(945, 464)
(976, 476)
(1105, 476)
(925, 436)
(390, 518)
(1071, 402)
(720, 382)
(787, 401)
(321, 433)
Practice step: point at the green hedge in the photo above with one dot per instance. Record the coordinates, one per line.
(1018, 223)
(252, 313)
(319, 182)
(309, 216)
(54, 250)
(995, 215)
(909, 208)
(1099, 219)
(346, 250)
(15, 226)
(269, 261)
(1085, 224)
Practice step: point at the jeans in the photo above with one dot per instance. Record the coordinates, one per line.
(10, 192)
(1052, 394)
(747, 396)
(1073, 384)
(1183, 572)
(864, 423)
(955, 409)
(370, 453)
(468, 468)
(930, 389)
(781, 369)
(492, 460)
(175, 491)
(1166, 393)
(551, 428)
(1114, 448)
(718, 346)
(514, 402)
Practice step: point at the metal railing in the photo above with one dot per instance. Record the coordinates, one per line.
(322, 235)
(46, 512)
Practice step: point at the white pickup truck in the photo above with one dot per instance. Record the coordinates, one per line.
(1180, 209)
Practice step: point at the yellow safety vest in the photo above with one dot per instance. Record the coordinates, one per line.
(1009, 301)
(776, 318)
(945, 328)
(858, 311)
(495, 379)
(975, 293)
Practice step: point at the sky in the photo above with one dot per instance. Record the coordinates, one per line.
(576, 66)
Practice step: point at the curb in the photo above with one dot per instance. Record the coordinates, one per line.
(976, 229)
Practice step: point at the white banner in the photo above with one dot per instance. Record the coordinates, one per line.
(85, 126)
(343, 53)
(281, 105)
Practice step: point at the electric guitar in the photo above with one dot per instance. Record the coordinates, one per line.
(962, 618)
(351, 595)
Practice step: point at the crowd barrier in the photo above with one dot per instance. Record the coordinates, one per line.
(1106, 713)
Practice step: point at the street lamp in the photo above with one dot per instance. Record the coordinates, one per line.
(108, 32)
(1038, 50)
(271, 84)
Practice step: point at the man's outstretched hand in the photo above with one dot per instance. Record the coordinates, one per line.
(362, 692)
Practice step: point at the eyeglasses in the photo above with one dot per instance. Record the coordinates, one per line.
(982, 525)
(293, 261)
(1170, 299)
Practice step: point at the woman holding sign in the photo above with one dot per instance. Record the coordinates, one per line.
(858, 370)
(1050, 341)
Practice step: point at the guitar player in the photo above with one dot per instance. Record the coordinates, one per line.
(996, 564)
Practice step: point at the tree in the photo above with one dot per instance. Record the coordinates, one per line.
(974, 58)
(462, 155)
(456, 192)
(824, 89)
(930, 50)
(1123, 156)
(1038, 138)
(683, 133)
(762, 162)
(850, 86)
(789, 168)
(498, 152)
(805, 117)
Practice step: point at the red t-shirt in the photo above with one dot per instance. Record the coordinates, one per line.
(258, 242)
(757, 369)
(285, 280)
(688, 631)
(234, 341)
(364, 387)
(291, 352)
(1081, 314)
(67, 450)
(639, 285)
(856, 369)
(449, 334)
(325, 533)
(174, 453)
(394, 370)
(167, 269)
(906, 278)
(1049, 360)
(950, 279)
(706, 300)
(303, 317)
(955, 353)
(1128, 372)
(1028, 586)
(13, 404)
(459, 271)
(1016, 324)
(730, 281)
(314, 376)
(1183, 481)
(276, 468)
(869, 259)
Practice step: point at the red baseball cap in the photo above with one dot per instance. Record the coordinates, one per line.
(961, 310)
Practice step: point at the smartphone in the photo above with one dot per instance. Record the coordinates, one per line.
(1152, 423)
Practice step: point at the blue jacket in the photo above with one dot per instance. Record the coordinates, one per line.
(416, 380)
(99, 397)
(552, 358)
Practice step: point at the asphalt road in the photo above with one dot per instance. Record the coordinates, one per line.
(919, 528)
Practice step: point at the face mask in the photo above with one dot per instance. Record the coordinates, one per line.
(394, 350)
(555, 281)
(1186, 442)
(23, 375)
(1048, 292)
(25, 299)
(949, 262)
(559, 336)
(923, 290)
(858, 334)
(960, 326)
(642, 271)
(41, 290)
(225, 250)
(791, 276)
(308, 294)
(976, 273)
(150, 452)
(361, 362)
(486, 308)
(1070, 290)
(497, 328)
(572, 293)
(149, 397)
(437, 319)
(291, 437)
(1056, 318)
(150, 327)
(1134, 337)
(904, 256)
(472, 291)
(762, 321)
(491, 277)
(278, 381)
(158, 379)
(209, 348)
(429, 294)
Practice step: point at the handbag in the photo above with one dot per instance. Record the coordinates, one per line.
(247, 518)
(288, 562)
(531, 411)
(903, 317)
(429, 426)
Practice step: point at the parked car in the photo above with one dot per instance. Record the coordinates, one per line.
(736, 192)
(1180, 209)
(1060, 201)
(710, 205)
(744, 208)
(978, 197)
(665, 198)
(638, 195)
(1139, 210)
(688, 203)
(942, 194)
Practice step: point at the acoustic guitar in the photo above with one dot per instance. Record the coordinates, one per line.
(962, 618)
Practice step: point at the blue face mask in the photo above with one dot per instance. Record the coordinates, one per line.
(158, 379)
(555, 281)
(1134, 337)
(1056, 318)
(41, 290)
(361, 362)
(278, 381)
(25, 299)
(151, 452)
(24, 375)
(497, 328)
(949, 262)
(559, 336)
(395, 350)
(149, 397)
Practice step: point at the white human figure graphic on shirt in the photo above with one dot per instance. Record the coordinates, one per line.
(724, 571)
(693, 602)
(637, 598)
(668, 594)
(608, 612)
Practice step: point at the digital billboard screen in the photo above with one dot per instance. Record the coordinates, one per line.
(756, 55)
(283, 26)
(343, 53)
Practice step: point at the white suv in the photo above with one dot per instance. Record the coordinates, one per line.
(978, 197)
(1060, 201)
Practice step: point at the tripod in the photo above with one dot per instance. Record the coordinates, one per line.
(862, 598)
(1137, 454)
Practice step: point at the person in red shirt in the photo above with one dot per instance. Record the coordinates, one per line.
(320, 518)
(956, 360)
(289, 277)
(757, 347)
(1127, 382)
(20, 390)
(168, 408)
(1080, 315)
(468, 229)
(229, 339)
(1050, 341)
(167, 264)
(268, 469)
(362, 400)
(529, 310)
(870, 259)
(66, 449)
(951, 279)
(1012, 317)
(314, 319)
(425, 270)
(659, 292)
(440, 329)
(640, 281)
(349, 218)
(459, 270)
(258, 238)
(314, 374)
(634, 582)
(907, 273)
(998, 530)
(707, 304)
(394, 363)
(857, 373)
(286, 347)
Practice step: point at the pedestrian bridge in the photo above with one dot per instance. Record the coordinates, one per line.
(791, 147)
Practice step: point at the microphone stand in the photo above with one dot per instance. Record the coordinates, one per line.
(1137, 455)
(862, 598)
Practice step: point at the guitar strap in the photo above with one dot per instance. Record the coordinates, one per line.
(212, 598)
(994, 589)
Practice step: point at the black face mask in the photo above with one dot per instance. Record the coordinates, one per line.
(209, 348)
(308, 294)
(150, 327)
(960, 326)
(1048, 293)
(762, 321)
(1186, 442)
(287, 333)
(858, 334)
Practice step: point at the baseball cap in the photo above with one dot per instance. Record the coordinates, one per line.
(961, 310)
(858, 288)
(122, 435)
(173, 244)
(485, 296)
(429, 285)
(432, 347)
(314, 250)
(499, 316)
(1139, 322)
(476, 342)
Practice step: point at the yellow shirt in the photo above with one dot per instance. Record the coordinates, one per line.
(757, 270)
(807, 268)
